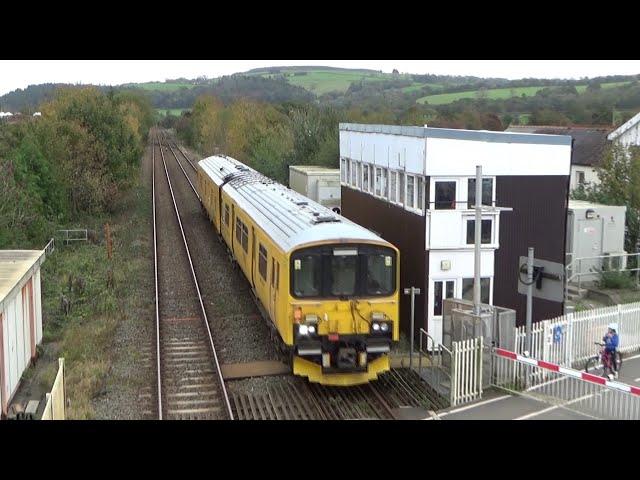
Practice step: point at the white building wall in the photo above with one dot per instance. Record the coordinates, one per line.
(590, 175)
(631, 137)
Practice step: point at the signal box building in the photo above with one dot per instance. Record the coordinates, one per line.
(415, 186)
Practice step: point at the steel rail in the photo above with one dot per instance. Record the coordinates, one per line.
(155, 268)
(185, 173)
(195, 281)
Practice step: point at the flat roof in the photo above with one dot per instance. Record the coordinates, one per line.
(15, 265)
(459, 134)
(586, 204)
(313, 169)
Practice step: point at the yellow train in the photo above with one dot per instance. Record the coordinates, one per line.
(327, 287)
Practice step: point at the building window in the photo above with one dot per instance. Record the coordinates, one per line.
(378, 181)
(365, 178)
(385, 183)
(410, 190)
(485, 231)
(467, 289)
(487, 192)
(401, 192)
(343, 170)
(371, 178)
(348, 173)
(359, 175)
(392, 186)
(580, 177)
(445, 195)
(419, 193)
(354, 173)
(262, 262)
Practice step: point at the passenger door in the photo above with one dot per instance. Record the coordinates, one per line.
(273, 288)
(440, 290)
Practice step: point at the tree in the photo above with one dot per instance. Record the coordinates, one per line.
(619, 176)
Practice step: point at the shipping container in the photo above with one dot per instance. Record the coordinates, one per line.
(20, 317)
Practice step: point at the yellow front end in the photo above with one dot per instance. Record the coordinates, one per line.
(346, 340)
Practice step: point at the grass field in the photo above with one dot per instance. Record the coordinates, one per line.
(497, 93)
(323, 81)
(173, 111)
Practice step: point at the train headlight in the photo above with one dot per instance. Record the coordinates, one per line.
(311, 329)
(303, 330)
(380, 327)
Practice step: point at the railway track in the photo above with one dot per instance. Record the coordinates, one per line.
(380, 400)
(189, 383)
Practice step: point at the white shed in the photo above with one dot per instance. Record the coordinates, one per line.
(320, 184)
(20, 317)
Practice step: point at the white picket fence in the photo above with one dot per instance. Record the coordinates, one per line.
(569, 340)
(466, 371)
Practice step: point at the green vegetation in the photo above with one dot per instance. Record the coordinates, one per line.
(616, 280)
(100, 293)
(77, 158)
(163, 86)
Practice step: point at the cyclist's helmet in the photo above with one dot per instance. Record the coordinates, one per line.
(613, 326)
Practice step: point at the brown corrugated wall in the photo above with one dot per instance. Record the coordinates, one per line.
(538, 220)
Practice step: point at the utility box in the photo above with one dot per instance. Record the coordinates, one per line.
(320, 184)
(594, 230)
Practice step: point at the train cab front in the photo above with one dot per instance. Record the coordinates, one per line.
(344, 311)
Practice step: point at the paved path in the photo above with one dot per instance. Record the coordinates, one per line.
(497, 405)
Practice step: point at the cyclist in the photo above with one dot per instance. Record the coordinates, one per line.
(611, 345)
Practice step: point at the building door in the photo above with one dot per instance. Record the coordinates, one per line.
(440, 289)
(589, 244)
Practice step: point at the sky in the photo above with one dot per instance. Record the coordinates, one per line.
(22, 73)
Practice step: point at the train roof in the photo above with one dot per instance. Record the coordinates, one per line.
(289, 218)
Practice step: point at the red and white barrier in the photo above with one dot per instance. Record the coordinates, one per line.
(570, 372)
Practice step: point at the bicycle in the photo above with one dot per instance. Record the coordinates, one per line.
(601, 364)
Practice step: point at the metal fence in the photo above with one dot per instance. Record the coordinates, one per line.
(458, 370)
(569, 340)
(597, 265)
(74, 235)
(55, 407)
(565, 388)
(50, 246)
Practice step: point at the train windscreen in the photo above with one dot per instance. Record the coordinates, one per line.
(343, 271)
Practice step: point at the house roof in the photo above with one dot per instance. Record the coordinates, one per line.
(588, 142)
(15, 267)
(624, 127)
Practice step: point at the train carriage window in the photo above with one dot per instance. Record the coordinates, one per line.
(245, 238)
(379, 274)
(262, 262)
(226, 214)
(307, 276)
(343, 274)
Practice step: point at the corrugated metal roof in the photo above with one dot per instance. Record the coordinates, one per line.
(588, 145)
(15, 265)
(289, 218)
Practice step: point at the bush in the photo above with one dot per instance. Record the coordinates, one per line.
(616, 280)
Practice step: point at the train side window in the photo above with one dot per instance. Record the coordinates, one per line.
(226, 214)
(262, 262)
(238, 230)
(278, 275)
(273, 272)
(245, 237)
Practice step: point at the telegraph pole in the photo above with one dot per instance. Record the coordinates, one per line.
(529, 296)
(478, 242)
(413, 292)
